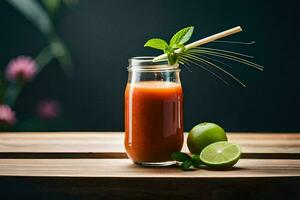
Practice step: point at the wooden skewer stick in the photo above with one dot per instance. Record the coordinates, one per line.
(203, 41)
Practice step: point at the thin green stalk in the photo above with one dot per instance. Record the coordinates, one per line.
(185, 64)
(229, 57)
(216, 66)
(204, 68)
(43, 58)
(2, 86)
(226, 51)
(13, 89)
(212, 59)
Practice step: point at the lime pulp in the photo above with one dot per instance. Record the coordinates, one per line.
(221, 155)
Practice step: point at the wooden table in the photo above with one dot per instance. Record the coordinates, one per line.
(94, 166)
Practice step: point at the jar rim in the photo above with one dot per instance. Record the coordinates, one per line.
(145, 63)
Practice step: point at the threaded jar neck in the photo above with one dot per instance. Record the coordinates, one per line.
(146, 64)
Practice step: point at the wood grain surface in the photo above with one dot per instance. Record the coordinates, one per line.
(94, 166)
(124, 168)
(110, 145)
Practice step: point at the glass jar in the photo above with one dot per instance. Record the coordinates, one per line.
(153, 112)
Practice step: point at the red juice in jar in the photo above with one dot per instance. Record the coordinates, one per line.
(153, 112)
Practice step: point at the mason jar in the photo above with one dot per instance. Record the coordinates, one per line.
(153, 111)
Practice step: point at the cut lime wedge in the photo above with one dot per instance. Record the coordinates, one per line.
(221, 155)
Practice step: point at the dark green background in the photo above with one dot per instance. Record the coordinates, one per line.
(102, 35)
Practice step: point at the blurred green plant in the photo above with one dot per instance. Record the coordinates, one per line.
(41, 14)
(53, 6)
(39, 17)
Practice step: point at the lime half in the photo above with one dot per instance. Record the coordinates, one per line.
(221, 155)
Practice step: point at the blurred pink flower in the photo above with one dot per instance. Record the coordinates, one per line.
(48, 109)
(7, 115)
(22, 67)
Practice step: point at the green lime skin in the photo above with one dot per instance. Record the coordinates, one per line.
(204, 134)
(221, 155)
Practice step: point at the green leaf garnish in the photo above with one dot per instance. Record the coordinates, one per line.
(176, 42)
(157, 43)
(205, 58)
(180, 157)
(182, 36)
(186, 165)
(196, 160)
(172, 57)
(178, 46)
(186, 162)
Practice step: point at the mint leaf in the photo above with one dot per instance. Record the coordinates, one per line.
(176, 42)
(156, 43)
(182, 36)
(181, 157)
(196, 160)
(186, 165)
